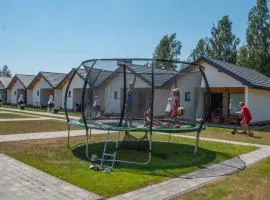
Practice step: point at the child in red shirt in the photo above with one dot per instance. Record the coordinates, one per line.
(245, 115)
(175, 105)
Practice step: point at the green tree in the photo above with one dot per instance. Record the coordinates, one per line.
(169, 48)
(5, 71)
(223, 43)
(257, 49)
(200, 50)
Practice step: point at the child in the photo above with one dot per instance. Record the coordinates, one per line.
(168, 108)
(96, 106)
(129, 104)
(246, 117)
(176, 103)
(147, 119)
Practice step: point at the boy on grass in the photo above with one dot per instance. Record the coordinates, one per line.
(246, 117)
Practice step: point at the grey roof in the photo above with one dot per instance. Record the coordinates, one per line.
(25, 79)
(96, 75)
(5, 80)
(161, 76)
(53, 78)
(246, 76)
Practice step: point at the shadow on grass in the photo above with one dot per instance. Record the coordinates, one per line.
(168, 159)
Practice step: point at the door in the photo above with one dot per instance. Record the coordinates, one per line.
(216, 104)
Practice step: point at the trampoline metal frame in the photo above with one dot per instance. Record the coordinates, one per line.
(124, 65)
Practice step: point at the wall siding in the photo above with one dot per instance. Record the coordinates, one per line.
(258, 103)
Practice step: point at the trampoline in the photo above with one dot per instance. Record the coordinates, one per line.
(121, 95)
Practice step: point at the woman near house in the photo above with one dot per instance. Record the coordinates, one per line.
(246, 118)
(96, 106)
(21, 100)
(50, 103)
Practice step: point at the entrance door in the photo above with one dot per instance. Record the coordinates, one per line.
(216, 104)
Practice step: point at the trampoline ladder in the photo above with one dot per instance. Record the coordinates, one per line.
(108, 157)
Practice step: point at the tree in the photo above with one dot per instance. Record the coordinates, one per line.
(223, 43)
(5, 71)
(169, 48)
(257, 52)
(200, 50)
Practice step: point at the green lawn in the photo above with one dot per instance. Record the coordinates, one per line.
(253, 183)
(31, 126)
(260, 137)
(169, 160)
(15, 116)
(43, 110)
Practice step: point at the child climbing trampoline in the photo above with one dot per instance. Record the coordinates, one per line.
(129, 104)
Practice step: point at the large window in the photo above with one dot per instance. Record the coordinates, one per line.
(235, 98)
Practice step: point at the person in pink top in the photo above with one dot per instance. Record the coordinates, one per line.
(175, 106)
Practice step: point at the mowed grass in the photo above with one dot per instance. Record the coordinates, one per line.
(253, 183)
(260, 137)
(168, 160)
(15, 116)
(14, 127)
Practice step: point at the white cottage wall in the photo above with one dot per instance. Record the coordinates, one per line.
(190, 83)
(115, 86)
(258, 103)
(8, 96)
(17, 85)
(29, 97)
(218, 79)
(76, 83)
(42, 84)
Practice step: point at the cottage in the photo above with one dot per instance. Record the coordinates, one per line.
(17, 86)
(141, 76)
(42, 86)
(76, 78)
(4, 82)
(229, 85)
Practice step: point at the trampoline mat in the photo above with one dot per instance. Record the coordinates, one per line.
(137, 125)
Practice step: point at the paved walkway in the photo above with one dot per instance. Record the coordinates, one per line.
(217, 140)
(44, 135)
(22, 182)
(182, 184)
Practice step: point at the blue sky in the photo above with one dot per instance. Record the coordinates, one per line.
(56, 35)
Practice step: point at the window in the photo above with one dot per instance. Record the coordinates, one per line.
(187, 96)
(15, 92)
(38, 93)
(115, 95)
(235, 99)
(69, 93)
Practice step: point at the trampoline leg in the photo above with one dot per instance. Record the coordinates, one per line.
(68, 144)
(87, 143)
(197, 143)
(150, 149)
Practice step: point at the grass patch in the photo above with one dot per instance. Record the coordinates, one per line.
(40, 111)
(169, 160)
(253, 183)
(15, 116)
(260, 137)
(31, 126)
